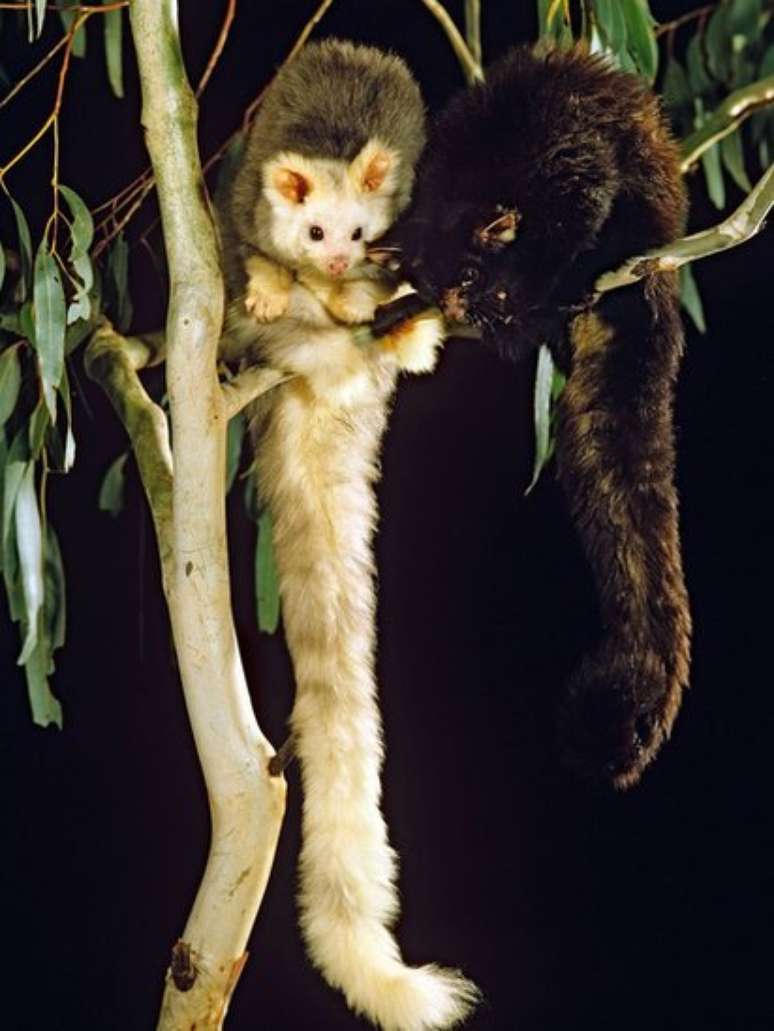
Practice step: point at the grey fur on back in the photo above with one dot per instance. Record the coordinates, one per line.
(328, 102)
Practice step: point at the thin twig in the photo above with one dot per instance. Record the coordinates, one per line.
(54, 115)
(672, 26)
(471, 67)
(31, 74)
(80, 9)
(740, 226)
(218, 48)
(726, 118)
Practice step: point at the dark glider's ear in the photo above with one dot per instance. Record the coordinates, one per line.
(500, 232)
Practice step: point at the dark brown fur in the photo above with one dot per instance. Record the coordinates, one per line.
(554, 172)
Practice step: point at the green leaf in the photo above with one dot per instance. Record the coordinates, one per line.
(733, 160)
(118, 267)
(81, 236)
(46, 710)
(542, 12)
(717, 40)
(111, 493)
(14, 473)
(676, 89)
(69, 448)
(39, 422)
(68, 17)
(50, 321)
(234, 437)
(713, 174)
(697, 73)
(612, 24)
(114, 27)
(766, 67)
(542, 413)
(10, 382)
(25, 248)
(40, 17)
(266, 589)
(744, 19)
(641, 37)
(82, 229)
(690, 298)
(27, 321)
(54, 604)
(29, 545)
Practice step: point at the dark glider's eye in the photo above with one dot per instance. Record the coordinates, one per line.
(316, 232)
(357, 233)
(469, 276)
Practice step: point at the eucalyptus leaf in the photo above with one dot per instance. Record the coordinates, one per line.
(690, 298)
(68, 17)
(641, 38)
(27, 321)
(717, 40)
(118, 267)
(700, 81)
(29, 545)
(50, 322)
(69, 448)
(54, 604)
(46, 710)
(40, 17)
(676, 89)
(82, 228)
(733, 159)
(266, 588)
(14, 473)
(713, 174)
(744, 18)
(25, 248)
(542, 413)
(111, 493)
(234, 437)
(612, 24)
(114, 28)
(10, 382)
(39, 422)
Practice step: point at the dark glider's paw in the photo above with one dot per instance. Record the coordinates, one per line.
(614, 717)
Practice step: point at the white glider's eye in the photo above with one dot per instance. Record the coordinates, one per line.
(357, 233)
(316, 232)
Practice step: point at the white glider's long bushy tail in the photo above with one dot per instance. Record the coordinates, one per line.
(318, 471)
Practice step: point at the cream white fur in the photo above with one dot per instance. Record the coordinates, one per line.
(336, 199)
(317, 441)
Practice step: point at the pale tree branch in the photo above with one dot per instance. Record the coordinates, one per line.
(473, 29)
(246, 803)
(737, 106)
(748, 219)
(113, 361)
(470, 66)
(248, 385)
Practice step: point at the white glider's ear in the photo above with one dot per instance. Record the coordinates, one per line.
(288, 179)
(499, 232)
(375, 169)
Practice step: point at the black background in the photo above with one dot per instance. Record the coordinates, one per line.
(570, 906)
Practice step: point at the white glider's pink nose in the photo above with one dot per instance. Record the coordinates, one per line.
(338, 264)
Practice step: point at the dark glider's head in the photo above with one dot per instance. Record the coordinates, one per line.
(530, 186)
